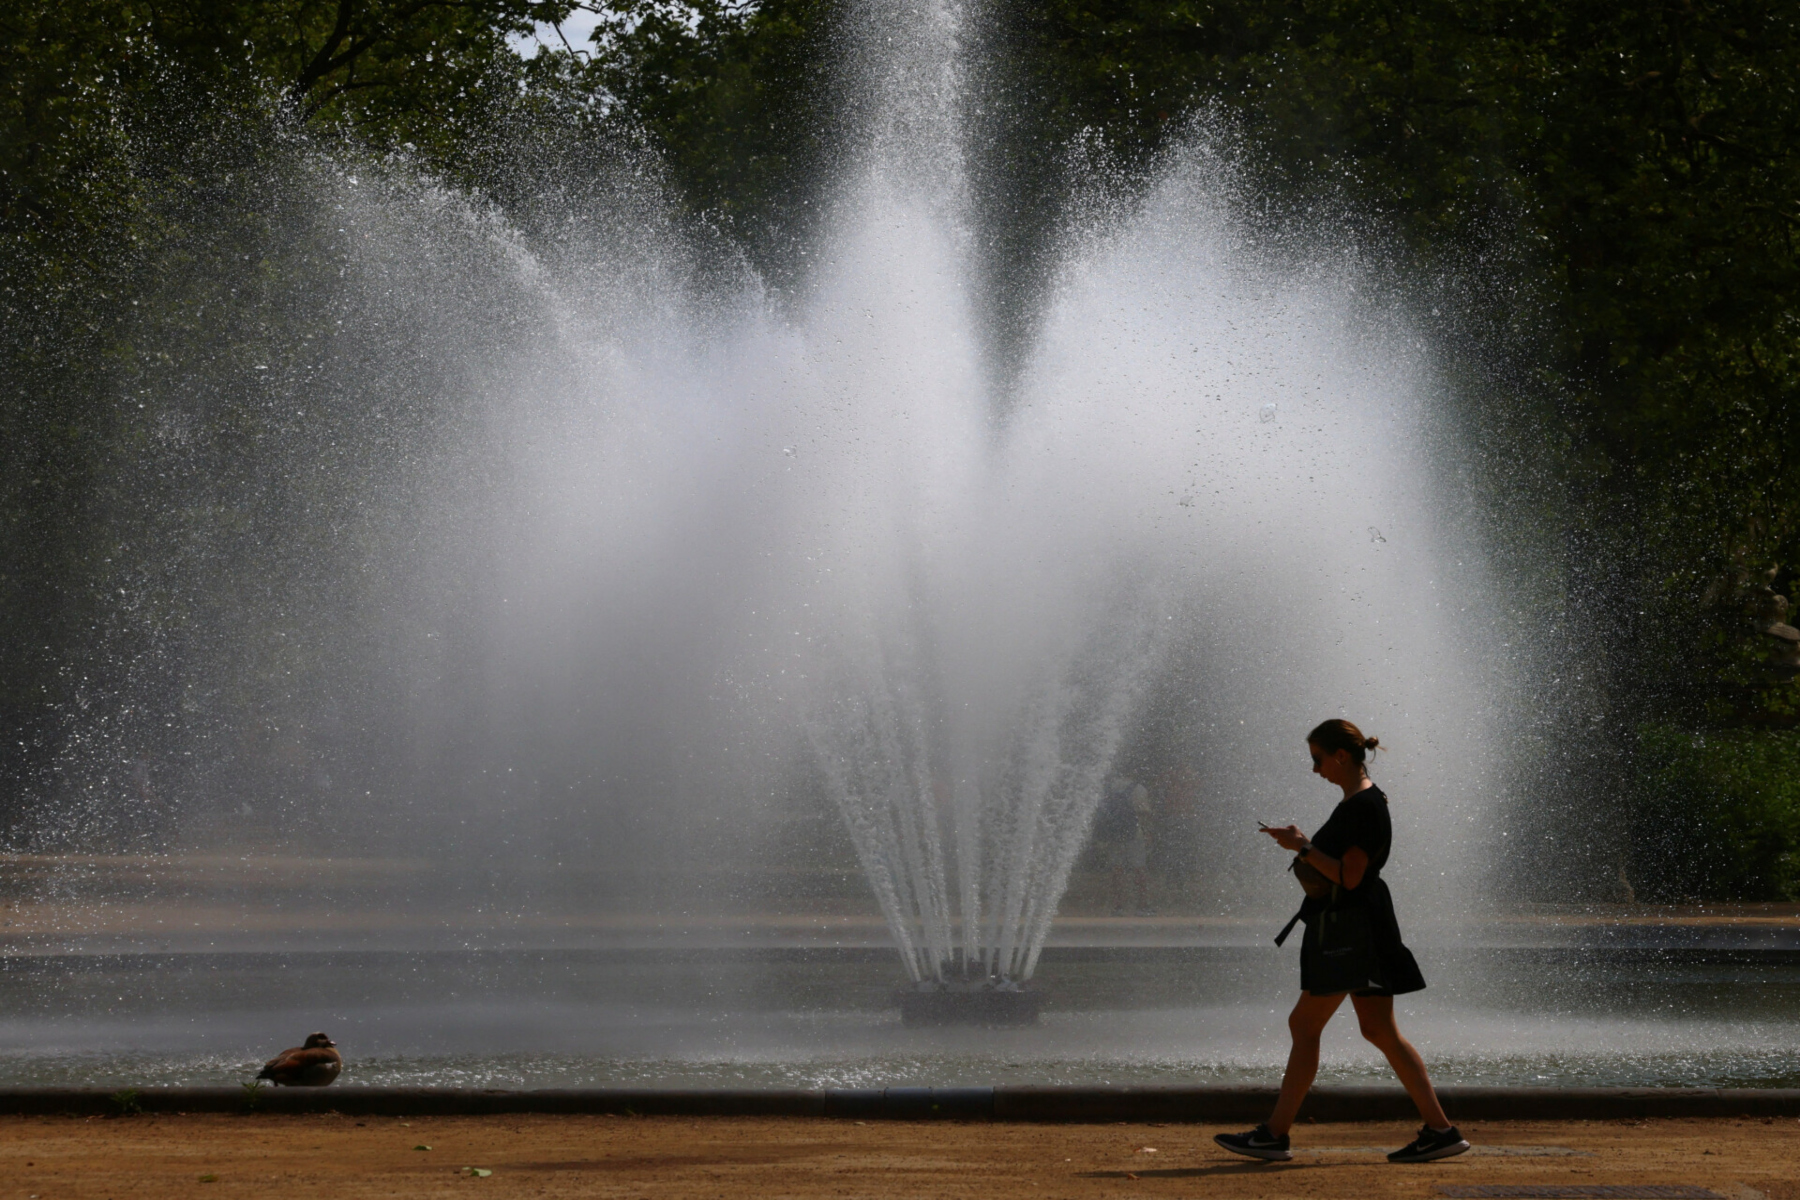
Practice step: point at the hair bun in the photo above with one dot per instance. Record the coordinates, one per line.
(1339, 734)
(1371, 743)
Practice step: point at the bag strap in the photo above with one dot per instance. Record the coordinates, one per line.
(1289, 927)
(1281, 937)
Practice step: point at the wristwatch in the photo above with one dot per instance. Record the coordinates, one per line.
(1306, 850)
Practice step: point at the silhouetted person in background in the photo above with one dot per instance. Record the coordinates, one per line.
(1351, 947)
(1119, 834)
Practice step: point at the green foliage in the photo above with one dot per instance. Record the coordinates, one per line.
(732, 95)
(1611, 193)
(1718, 815)
(1645, 154)
(82, 77)
(1614, 187)
(125, 129)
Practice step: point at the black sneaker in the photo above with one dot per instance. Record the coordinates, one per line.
(1429, 1145)
(1258, 1143)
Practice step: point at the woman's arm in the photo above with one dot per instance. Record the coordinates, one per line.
(1348, 871)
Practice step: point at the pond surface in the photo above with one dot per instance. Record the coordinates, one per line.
(826, 1018)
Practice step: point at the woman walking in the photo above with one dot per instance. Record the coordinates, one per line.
(1351, 946)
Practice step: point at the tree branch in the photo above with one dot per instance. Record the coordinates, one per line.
(329, 59)
(321, 64)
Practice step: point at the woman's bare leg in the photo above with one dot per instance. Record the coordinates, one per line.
(1306, 1023)
(1376, 1016)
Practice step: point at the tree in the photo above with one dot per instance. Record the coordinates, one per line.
(121, 122)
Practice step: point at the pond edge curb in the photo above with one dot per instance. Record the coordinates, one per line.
(1002, 1103)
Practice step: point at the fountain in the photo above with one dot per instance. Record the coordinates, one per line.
(1205, 444)
(536, 564)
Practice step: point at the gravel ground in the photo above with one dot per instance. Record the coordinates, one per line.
(335, 1156)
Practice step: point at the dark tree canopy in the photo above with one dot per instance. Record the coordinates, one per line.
(1609, 194)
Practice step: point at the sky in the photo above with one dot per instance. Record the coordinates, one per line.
(576, 30)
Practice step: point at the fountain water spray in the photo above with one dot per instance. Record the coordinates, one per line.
(1195, 413)
(543, 553)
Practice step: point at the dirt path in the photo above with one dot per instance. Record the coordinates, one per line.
(216, 1157)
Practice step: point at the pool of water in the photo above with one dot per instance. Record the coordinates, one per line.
(814, 1018)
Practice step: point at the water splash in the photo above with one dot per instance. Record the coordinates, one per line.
(1009, 589)
(532, 555)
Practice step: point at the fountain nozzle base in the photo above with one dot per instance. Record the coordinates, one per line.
(981, 1003)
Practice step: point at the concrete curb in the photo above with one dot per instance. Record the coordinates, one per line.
(1207, 1105)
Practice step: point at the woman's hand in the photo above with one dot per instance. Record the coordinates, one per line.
(1347, 871)
(1288, 837)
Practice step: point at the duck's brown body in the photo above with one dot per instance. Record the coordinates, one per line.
(313, 1065)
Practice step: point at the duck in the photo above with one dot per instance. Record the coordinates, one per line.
(315, 1064)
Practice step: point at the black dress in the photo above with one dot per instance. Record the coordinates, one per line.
(1361, 821)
